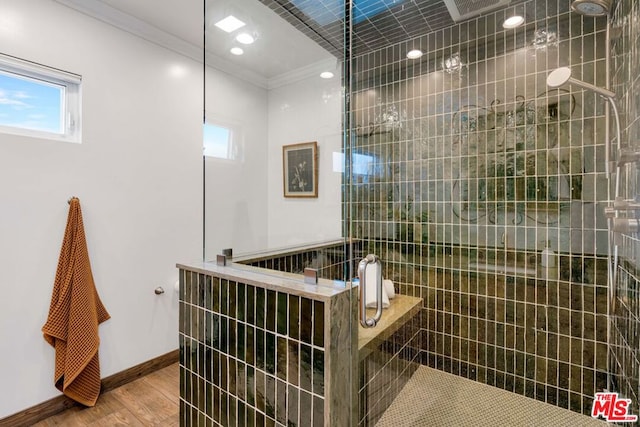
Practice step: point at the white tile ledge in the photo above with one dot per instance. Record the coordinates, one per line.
(269, 279)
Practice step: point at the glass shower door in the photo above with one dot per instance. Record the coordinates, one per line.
(272, 129)
(274, 203)
(481, 190)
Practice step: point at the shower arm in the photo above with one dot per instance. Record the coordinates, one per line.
(562, 76)
(610, 97)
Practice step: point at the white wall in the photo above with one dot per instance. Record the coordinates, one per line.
(236, 190)
(138, 174)
(308, 110)
(247, 212)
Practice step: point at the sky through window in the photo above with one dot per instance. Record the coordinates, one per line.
(31, 104)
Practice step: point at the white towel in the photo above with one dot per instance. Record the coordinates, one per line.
(372, 297)
(387, 285)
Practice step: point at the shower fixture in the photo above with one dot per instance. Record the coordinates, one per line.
(562, 76)
(628, 156)
(627, 224)
(616, 225)
(591, 7)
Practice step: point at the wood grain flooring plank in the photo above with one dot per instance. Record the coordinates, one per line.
(166, 383)
(79, 416)
(123, 417)
(171, 422)
(152, 400)
(146, 402)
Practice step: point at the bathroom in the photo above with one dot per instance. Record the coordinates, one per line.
(482, 190)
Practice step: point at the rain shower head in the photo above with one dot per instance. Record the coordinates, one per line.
(561, 76)
(591, 7)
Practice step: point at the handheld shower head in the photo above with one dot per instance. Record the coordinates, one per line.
(561, 76)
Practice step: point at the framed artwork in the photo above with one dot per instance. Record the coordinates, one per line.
(300, 169)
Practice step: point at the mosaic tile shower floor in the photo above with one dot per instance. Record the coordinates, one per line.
(436, 398)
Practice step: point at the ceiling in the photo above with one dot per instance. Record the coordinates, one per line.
(280, 49)
(376, 23)
(315, 34)
(182, 19)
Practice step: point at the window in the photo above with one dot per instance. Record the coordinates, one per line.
(38, 101)
(219, 141)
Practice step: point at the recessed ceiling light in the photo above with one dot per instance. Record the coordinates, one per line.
(513, 22)
(230, 24)
(326, 74)
(245, 38)
(236, 51)
(414, 54)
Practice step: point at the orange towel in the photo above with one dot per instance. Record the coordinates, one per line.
(74, 316)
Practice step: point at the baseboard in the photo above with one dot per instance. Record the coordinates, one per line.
(60, 403)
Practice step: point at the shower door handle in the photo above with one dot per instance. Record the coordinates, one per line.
(362, 275)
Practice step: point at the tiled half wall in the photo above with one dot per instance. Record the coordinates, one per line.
(258, 354)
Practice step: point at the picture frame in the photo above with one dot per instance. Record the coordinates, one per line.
(300, 169)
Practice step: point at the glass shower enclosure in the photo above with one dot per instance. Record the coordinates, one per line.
(275, 201)
(407, 129)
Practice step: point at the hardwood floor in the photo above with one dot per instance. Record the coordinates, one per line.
(151, 400)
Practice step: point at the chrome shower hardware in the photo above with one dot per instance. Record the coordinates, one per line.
(620, 204)
(362, 275)
(591, 7)
(562, 76)
(627, 156)
(311, 276)
(625, 225)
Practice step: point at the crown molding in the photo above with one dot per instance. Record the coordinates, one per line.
(311, 70)
(228, 67)
(114, 17)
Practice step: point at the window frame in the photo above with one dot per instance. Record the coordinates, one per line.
(70, 98)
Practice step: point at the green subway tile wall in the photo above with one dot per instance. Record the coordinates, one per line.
(625, 330)
(249, 356)
(471, 166)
